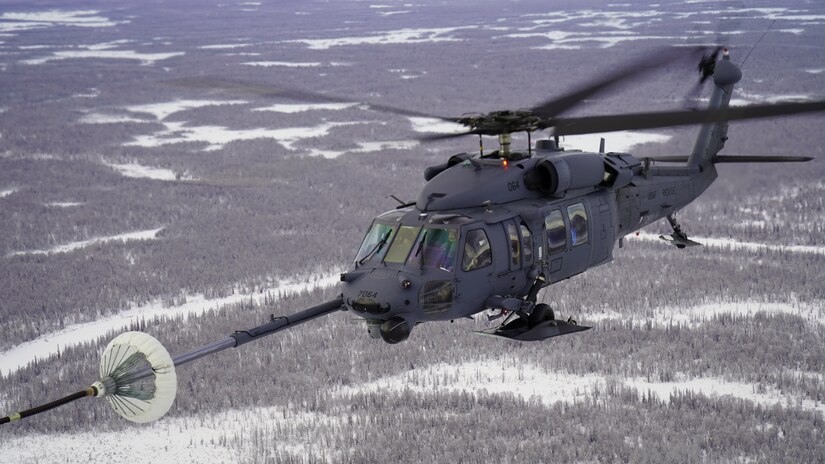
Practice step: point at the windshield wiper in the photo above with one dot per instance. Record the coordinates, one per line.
(420, 249)
(377, 247)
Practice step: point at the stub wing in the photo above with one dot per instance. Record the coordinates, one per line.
(519, 330)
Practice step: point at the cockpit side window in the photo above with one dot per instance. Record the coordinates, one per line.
(515, 245)
(436, 247)
(402, 244)
(578, 223)
(526, 244)
(375, 243)
(477, 252)
(556, 233)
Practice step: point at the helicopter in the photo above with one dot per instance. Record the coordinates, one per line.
(488, 231)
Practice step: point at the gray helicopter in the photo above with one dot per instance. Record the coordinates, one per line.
(488, 231)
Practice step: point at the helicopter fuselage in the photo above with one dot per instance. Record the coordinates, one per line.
(462, 249)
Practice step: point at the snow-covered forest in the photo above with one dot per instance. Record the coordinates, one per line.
(137, 193)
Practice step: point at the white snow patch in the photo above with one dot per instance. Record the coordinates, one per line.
(216, 136)
(74, 246)
(64, 204)
(144, 58)
(815, 71)
(18, 21)
(401, 36)
(225, 46)
(614, 141)
(288, 64)
(498, 376)
(50, 344)
(695, 316)
(7, 192)
(298, 108)
(367, 147)
(147, 172)
(713, 387)
(164, 109)
(100, 118)
(735, 245)
(434, 125)
(390, 13)
(188, 439)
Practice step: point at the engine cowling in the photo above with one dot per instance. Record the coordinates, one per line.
(555, 175)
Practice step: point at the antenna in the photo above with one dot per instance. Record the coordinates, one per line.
(601, 146)
(757, 43)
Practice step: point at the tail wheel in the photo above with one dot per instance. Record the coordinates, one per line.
(541, 313)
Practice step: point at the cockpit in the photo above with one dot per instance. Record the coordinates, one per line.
(432, 245)
(422, 246)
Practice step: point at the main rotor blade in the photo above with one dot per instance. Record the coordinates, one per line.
(594, 124)
(654, 59)
(267, 91)
(719, 159)
(437, 137)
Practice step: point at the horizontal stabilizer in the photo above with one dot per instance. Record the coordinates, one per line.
(736, 159)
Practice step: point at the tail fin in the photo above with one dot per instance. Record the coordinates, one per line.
(712, 135)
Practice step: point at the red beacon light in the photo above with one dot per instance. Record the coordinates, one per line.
(505, 163)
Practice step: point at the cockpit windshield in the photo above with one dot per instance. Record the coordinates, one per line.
(375, 243)
(436, 247)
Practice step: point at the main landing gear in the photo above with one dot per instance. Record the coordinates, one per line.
(528, 321)
(678, 238)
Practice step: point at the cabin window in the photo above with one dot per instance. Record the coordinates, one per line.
(556, 232)
(435, 247)
(578, 223)
(526, 244)
(375, 243)
(515, 246)
(402, 244)
(477, 252)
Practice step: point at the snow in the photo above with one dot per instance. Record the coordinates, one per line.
(150, 234)
(162, 110)
(498, 376)
(144, 58)
(735, 245)
(614, 141)
(100, 118)
(693, 316)
(367, 147)
(434, 125)
(216, 136)
(225, 46)
(64, 204)
(192, 439)
(288, 64)
(196, 304)
(7, 192)
(390, 13)
(400, 36)
(49, 18)
(146, 172)
(297, 108)
(714, 387)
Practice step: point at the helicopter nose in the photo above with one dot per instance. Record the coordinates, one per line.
(381, 292)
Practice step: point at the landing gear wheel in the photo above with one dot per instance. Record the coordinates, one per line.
(541, 313)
